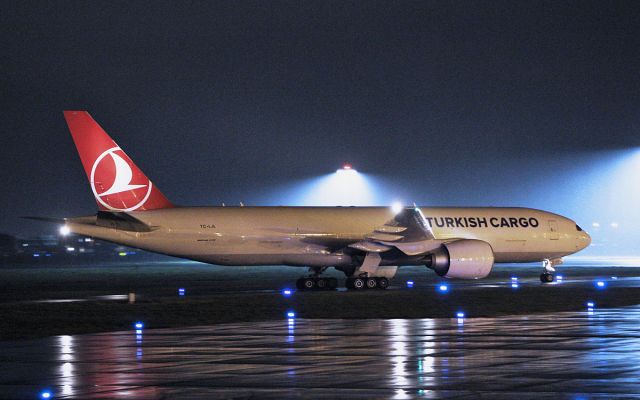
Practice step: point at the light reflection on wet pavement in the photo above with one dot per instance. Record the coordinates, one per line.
(575, 355)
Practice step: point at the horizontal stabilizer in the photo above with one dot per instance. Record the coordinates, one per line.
(46, 219)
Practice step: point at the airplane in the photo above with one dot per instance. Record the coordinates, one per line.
(367, 244)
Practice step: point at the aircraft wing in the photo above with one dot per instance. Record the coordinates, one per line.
(408, 231)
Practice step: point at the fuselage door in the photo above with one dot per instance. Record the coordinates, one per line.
(553, 227)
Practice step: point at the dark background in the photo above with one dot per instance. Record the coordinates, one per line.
(450, 103)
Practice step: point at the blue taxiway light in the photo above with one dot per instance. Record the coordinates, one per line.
(138, 325)
(45, 394)
(515, 285)
(460, 314)
(591, 304)
(181, 292)
(286, 292)
(291, 314)
(559, 277)
(410, 284)
(514, 278)
(600, 284)
(443, 288)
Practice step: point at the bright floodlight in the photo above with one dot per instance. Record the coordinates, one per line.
(65, 230)
(396, 207)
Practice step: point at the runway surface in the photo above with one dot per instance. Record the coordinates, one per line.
(573, 355)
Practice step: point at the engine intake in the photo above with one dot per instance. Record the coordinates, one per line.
(463, 259)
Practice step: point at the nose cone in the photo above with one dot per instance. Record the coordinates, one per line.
(585, 240)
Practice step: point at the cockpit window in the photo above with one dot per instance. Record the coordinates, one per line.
(578, 228)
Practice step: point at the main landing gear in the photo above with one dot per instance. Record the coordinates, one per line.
(316, 283)
(367, 283)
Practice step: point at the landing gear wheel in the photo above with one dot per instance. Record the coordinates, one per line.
(308, 283)
(321, 283)
(371, 283)
(332, 283)
(358, 283)
(546, 277)
(383, 283)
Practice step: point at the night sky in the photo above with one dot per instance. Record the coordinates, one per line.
(455, 102)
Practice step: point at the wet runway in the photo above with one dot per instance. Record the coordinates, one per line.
(573, 355)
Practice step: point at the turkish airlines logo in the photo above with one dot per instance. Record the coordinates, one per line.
(113, 185)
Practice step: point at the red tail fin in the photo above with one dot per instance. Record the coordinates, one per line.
(117, 183)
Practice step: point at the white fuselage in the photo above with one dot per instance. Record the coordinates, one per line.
(317, 236)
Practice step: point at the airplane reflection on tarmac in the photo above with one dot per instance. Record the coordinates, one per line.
(536, 356)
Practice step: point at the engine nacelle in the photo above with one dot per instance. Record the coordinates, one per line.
(463, 259)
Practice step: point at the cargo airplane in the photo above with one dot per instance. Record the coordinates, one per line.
(367, 244)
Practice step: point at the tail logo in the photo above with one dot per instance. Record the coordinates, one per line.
(112, 182)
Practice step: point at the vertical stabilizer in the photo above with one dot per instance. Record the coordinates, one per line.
(117, 183)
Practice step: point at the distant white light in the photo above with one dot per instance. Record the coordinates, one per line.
(396, 207)
(514, 278)
(410, 284)
(591, 304)
(64, 230)
(515, 285)
(596, 225)
(45, 394)
(291, 314)
(71, 249)
(600, 284)
(614, 225)
(347, 166)
(286, 292)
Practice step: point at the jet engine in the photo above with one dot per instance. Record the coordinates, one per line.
(463, 259)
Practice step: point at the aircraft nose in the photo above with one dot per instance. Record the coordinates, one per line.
(587, 240)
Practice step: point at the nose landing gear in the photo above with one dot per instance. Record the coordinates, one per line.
(548, 265)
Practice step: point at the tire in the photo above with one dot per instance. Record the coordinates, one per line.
(546, 277)
(359, 284)
(308, 283)
(371, 283)
(321, 283)
(383, 283)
